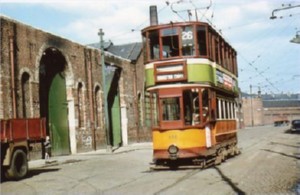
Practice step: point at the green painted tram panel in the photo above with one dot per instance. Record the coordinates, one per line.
(116, 122)
(58, 116)
(200, 72)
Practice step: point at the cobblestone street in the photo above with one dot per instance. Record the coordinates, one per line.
(269, 164)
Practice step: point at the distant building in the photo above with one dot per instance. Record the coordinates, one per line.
(270, 109)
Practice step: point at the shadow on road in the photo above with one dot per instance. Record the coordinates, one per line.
(230, 183)
(34, 172)
(292, 132)
(281, 153)
(288, 145)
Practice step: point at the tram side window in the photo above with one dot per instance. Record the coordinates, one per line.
(221, 109)
(218, 109)
(154, 45)
(170, 43)
(205, 105)
(191, 107)
(171, 109)
(227, 111)
(221, 53)
(187, 38)
(145, 55)
(201, 35)
(213, 105)
(217, 53)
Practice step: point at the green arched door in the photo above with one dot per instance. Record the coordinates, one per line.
(116, 122)
(58, 116)
(113, 101)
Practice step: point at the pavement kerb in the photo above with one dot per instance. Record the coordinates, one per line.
(57, 160)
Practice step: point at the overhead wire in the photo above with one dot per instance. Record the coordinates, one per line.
(137, 28)
(256, 42)
(278, 56)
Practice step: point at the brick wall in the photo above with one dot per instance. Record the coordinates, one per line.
(266, 116)
(29, 45)
(257, 111)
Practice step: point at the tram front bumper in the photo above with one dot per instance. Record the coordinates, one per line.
(174, 152)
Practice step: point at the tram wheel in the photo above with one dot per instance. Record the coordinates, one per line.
(221, 156)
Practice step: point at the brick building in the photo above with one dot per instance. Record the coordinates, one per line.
(44, 75)
(253, 111)
(268, 109)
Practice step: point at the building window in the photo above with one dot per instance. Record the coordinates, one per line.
(148, 107)
(140, 110)
(98, 109)
(80, 103)
(25, 95)
(155, 109)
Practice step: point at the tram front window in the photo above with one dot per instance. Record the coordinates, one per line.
(170, 42)
(191, 107)
(154, 45)
(171, 109)
(187, 39)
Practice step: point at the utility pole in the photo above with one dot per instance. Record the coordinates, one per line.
(90, 82)
(252, 122)
(108, 140)
(12, 66)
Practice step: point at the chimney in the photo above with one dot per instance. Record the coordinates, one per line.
(153, 15)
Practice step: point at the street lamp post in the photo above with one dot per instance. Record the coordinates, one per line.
(284, 8)
(296, 39)
(108, 140)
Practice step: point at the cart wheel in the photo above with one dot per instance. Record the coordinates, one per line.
(18, 166)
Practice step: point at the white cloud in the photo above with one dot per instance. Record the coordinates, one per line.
(116, 18)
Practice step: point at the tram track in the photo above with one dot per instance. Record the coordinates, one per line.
(268, 165)
(179, 180)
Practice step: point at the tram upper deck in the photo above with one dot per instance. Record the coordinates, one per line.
(188, 52)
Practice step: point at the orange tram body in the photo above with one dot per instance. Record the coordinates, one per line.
(191, 83)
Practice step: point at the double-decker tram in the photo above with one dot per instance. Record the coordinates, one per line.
(191, 78)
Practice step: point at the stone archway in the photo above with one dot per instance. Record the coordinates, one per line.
(53, 99)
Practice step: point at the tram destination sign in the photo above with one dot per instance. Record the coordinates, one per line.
(170, 72)
(225, 79)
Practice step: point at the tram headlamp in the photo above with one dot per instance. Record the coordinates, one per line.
(173, 149)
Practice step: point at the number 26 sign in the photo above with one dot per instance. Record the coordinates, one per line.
(186, 35)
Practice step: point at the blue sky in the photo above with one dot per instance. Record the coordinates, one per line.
(266, 58)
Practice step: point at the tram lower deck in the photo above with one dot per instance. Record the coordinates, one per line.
(192, 124)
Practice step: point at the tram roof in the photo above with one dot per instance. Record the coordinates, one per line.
(281, 103)
(151, 27)
(178, 24)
